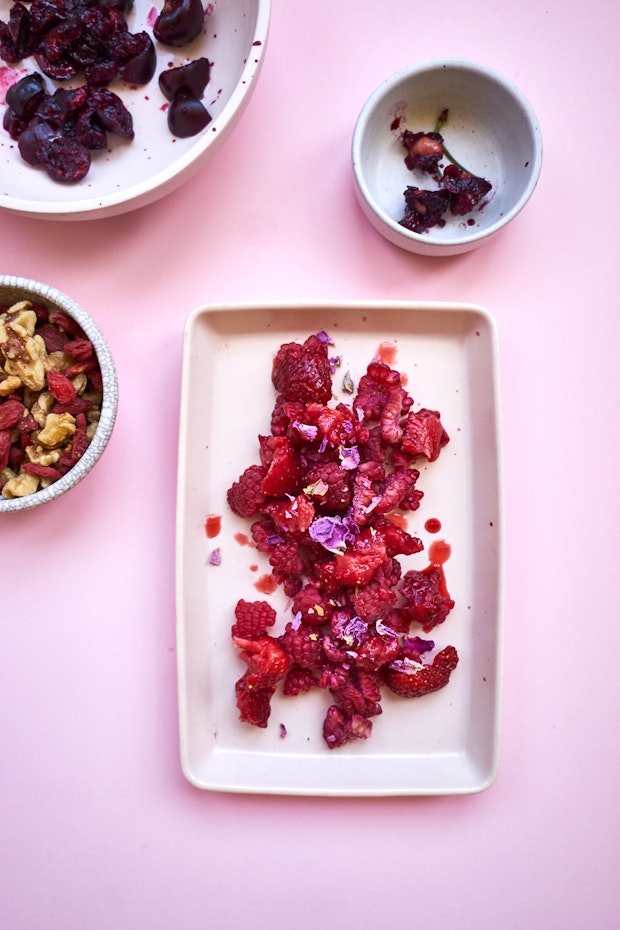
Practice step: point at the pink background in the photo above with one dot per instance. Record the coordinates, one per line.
(99, 829)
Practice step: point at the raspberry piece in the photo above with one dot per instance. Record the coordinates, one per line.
(252, 619)
(397, 541)
(424, 434)
(397, 487)
(328, 488)
(246, 495)
(373, 602)
(377, 651)
(303, 372)
(298, 680)
(254, 704)
(339, 728)
(313, 608)
(426, 600)
(285, 559)
(302, 645)
(413, 679)
(266, 660)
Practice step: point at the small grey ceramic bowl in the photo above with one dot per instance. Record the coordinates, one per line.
(491, 131)
(14, 289)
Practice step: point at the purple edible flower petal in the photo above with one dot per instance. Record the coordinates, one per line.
(306, 430)
(349, 457)
(332, 533)
(325, 338)
(215, 558)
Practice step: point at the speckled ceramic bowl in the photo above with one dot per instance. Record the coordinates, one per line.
(491, 131)
(14, 289)
(133, 174)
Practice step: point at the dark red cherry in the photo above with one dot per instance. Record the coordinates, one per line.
(141, 67)
(179, 22)
(24, 96)
(34, 135)
(187, 116)
(64, 159)
(190, 79)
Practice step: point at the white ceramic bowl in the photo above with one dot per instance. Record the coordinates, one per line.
(14, 289)
(133, 174)
(491, 130)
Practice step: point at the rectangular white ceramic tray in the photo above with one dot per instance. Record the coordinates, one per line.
(443, 743)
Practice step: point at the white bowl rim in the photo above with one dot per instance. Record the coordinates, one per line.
(420, 67)
(109, 404)
(60, 208)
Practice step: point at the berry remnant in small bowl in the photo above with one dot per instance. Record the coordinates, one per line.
(58, 393)
(326, 498)
(474, 117)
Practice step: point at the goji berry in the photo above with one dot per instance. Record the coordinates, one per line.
(5, 447)
(67, 324)
(60, 387)
(79, 349)
(11, 412)
(43, 471)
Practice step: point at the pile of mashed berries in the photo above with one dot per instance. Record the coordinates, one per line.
(59, 129)
(326, 498)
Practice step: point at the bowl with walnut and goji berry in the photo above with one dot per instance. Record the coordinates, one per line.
(446, 153)
(58, 393)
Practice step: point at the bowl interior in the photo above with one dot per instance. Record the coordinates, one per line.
(14, 289)
(132, 173)
(490, 130)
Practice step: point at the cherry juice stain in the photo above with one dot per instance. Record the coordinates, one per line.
(266, 584)
(432, 525)
(213, 525)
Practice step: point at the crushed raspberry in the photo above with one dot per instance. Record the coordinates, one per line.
(424, 434)
(326, 503)
(254, 704)
(246, 495)
(425, 601)
(303, 372)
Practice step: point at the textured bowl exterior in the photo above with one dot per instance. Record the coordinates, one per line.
(13, 289)
(129, 176)
(491, 126)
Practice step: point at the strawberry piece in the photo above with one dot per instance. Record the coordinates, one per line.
(414, 679)
(291, 516)
(283, 467)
